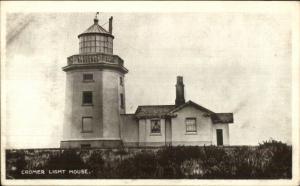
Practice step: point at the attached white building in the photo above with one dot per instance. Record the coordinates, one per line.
(186, 123)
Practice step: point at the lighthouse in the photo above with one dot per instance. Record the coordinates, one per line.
(95, 91)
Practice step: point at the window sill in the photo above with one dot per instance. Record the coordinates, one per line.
(155, 134)
(87, 104)
(191, 133)
(88, 81)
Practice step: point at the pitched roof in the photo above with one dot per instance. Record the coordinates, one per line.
(95, 29)
(162, 111)
(193, 104)
(222, 117)
(153, 111)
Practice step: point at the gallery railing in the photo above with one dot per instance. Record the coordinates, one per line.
(95, 58)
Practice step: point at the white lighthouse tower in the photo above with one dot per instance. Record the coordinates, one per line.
(95, 91)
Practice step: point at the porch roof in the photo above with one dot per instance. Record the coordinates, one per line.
(153, 111)
(165, 111)
(222, 117)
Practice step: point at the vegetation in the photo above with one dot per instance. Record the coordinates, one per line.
(270, 160)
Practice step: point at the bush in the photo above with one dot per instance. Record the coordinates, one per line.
(142, 165)
(15, 162)
(215, 163)
(66, 160)
(244, 163)
(97, 165)
(280, 159)
(270, 160)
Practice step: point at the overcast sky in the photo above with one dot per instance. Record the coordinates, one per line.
(230, 62)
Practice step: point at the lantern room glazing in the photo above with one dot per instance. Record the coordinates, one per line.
(95, 43)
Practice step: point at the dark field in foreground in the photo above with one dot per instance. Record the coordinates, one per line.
(270, 160)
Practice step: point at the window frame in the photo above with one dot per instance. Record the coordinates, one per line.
(87, 80)
(186, 125)
(82, 125)
(83, 98)
(122, 101)
(121, 81)
(155, 133)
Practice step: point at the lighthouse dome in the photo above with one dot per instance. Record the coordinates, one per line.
(96, 39)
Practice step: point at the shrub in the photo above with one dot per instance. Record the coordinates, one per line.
(170, 160)
(66, 160)
(15, 162)
(244, 163)
(96, 164)
(270, 160)
(280, 156)
(216, 162)
(142, 165)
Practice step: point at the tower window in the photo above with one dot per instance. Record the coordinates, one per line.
(87, 77)
(121, 81)
(191, 126)
(87, 124)
(87, 98)
(122, 100)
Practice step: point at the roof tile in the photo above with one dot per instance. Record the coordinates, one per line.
(153, 111)
(222, 117)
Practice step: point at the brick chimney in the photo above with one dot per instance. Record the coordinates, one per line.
(179, 91)
(110, 25)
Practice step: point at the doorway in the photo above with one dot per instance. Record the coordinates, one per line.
(219, 137)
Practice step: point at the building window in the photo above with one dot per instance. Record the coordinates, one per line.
(155, 126)
(121, 81)
(87, 77)
(122, 100)
(87, 124)
(87, 98)
(191, 126)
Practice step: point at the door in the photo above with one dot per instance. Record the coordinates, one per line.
(219, 137)
(168, 132)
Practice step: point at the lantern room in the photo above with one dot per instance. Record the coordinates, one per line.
(96, 39)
